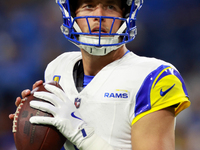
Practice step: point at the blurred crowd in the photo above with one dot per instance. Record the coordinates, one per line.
(30, 38)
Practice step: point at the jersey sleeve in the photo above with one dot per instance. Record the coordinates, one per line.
(162, 88)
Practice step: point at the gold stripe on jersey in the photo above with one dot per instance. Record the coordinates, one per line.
(164, 87)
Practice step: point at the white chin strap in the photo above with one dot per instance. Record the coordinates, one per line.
(98, 51)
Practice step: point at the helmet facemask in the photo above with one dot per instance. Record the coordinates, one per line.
(99, 43)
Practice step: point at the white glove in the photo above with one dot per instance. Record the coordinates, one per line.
(67, 119)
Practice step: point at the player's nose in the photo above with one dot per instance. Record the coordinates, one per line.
(99, 11)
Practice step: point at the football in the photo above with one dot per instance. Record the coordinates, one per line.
(29, 136)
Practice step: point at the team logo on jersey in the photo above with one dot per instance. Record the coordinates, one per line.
(77, 102)
(117, 94)
(56, 78)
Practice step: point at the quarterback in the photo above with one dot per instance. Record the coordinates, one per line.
(112, 99)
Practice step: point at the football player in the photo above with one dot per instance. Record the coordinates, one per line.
(112, 98)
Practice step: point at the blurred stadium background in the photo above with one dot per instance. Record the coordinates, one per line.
(30, 37)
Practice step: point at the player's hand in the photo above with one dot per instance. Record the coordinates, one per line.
(67, 118)
(24, 94)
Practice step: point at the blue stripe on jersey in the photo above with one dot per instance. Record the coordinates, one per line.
(165, 73)
(182, 81)
(143, 102)
(126, 52)
(87, 79)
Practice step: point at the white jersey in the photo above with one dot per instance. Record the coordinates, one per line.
(121, 93)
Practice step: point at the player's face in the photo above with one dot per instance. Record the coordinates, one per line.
(111, 8)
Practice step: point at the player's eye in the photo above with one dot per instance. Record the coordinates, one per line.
(88, 6)
(111, 7)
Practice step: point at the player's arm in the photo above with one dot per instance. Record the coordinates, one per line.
(24, 94)
(161, 97)
(154, 131)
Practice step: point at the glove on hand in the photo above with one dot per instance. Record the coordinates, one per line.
(67, 118)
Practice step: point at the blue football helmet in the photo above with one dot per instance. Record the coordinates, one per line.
(100, 43)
